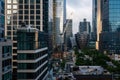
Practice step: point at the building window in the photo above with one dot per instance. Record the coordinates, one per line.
(37, 1)
(7, 49)
(37, 17)
(8, 11)
(26, 17)
(31, 6)
(14, 50)
(20, 1)
(32, 1)
(37, 6)
(9, 7)
(26, 6)
(20, 6)
(37, 11)
(26, 1)
(9, 1)
(9, 32)
(20, 11)
(31, 17)
(14, 6)
(26, 11)
(15, 1)
(31, 11)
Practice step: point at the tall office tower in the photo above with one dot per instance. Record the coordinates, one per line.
(59, 14)
(85, 27)
(1, 18)
(32, 54)
(109, 37)
(99, 21)
(68, 34)
(94, 20)
(32, 12)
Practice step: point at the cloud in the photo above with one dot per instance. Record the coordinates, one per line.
(81, 9)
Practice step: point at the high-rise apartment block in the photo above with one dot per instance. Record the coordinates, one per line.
(32, 54)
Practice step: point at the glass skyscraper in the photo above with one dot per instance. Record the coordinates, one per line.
(59, 14)
(110, 34)
(94, 20)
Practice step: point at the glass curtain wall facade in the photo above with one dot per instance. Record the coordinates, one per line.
(32, 54)
(5, 60)
(2, 18)
(94, 20)
(59, 13)
(109, 38)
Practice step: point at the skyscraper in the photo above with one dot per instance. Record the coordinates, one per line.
(109, 36)
(94, 20)
(99, 22)
(32, 54)
(59, 14)
(68, 33)
(32, 12)
(85, 27)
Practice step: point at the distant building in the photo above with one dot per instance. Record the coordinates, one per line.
(59, 19)
(85, 27)
(73, 41)
(68, 33)
(90, 73)
(32, 53)
(82, 40)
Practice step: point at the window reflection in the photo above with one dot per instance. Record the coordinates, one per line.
(14, 6)
(9, 1)
(8, 11)
(8, 22)
(14, 1)
(14, 11)
(8, 17)
(8, 6)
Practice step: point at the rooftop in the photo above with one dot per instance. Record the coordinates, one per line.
(89, 70)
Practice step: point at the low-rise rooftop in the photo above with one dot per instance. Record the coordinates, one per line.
(89, 70)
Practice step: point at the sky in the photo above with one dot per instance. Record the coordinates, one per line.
(80, 9)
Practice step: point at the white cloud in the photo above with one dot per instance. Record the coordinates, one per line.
(81, 9)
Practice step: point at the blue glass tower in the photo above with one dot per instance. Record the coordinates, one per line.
(110, 35)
